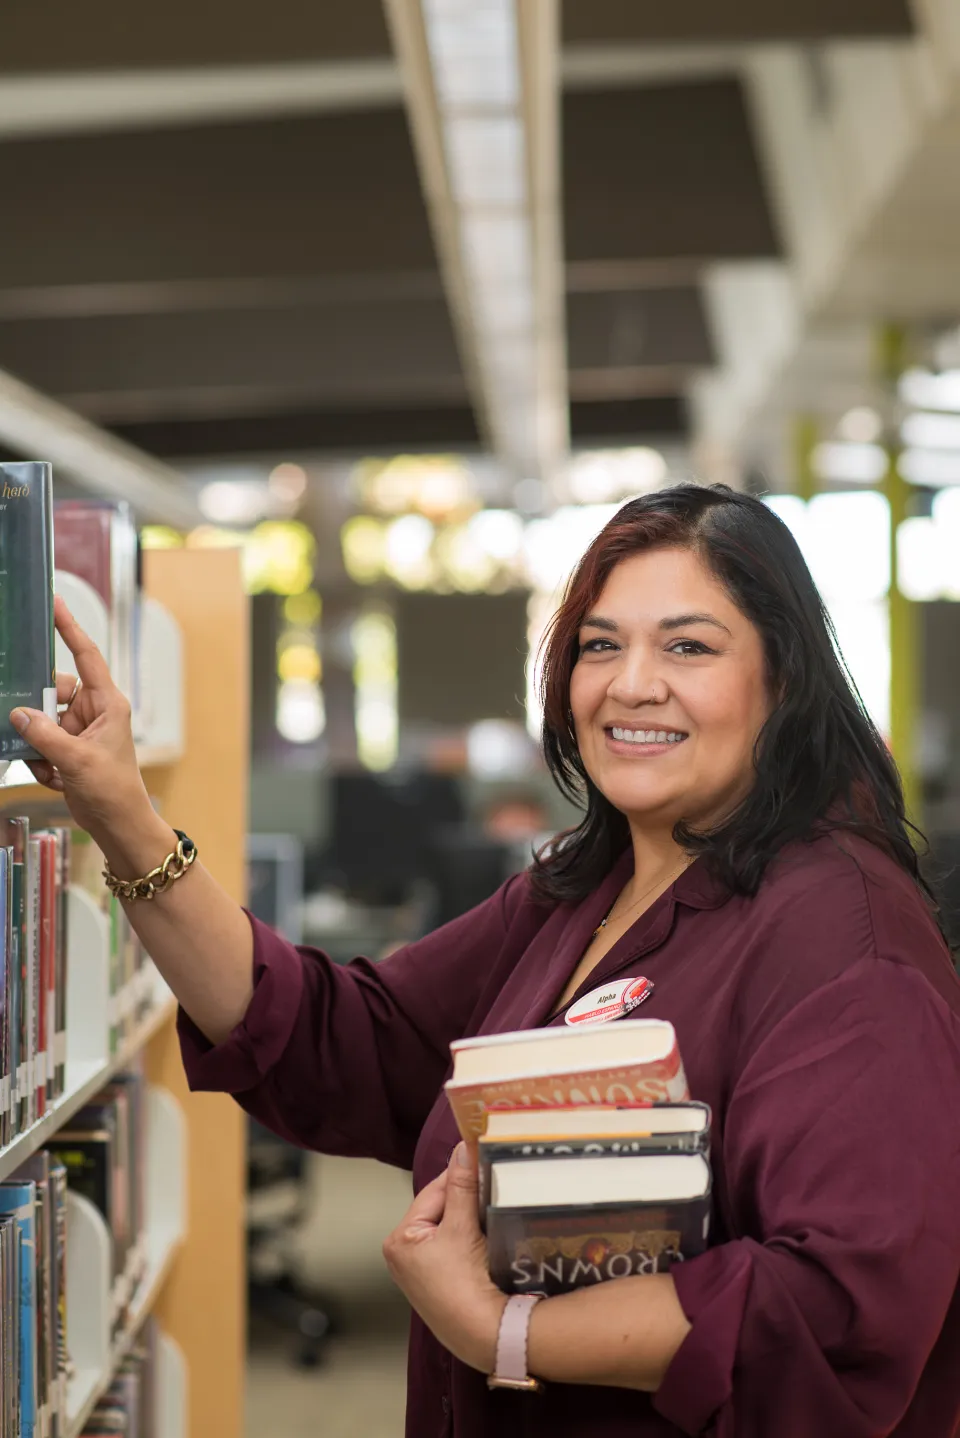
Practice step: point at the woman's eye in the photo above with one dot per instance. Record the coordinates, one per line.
(595, 646)
(689, 647)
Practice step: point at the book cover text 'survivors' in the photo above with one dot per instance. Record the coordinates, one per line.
(27, 655)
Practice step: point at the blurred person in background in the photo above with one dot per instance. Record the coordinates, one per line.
(744, 846)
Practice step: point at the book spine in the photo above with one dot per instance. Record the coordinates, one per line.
(4, 995)
(58, 1177)
(20, 1201)
(514, 1150)
(62, 951)
(17, 835)
(36, 1059)
(49, 918)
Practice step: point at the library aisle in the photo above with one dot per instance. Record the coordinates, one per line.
(358, 1391)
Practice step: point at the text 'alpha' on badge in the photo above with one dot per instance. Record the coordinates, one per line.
(611, 1001)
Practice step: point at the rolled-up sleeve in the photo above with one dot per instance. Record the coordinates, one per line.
(841, 1164)
(349, 1059)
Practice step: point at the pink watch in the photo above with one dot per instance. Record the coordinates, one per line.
(511, 1369)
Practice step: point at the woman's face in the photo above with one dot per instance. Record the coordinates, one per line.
(668, 694)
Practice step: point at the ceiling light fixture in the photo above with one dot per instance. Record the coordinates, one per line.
(483, 92)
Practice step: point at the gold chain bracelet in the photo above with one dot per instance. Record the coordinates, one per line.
(174, 867)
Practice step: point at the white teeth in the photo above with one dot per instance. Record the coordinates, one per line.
(647, 736)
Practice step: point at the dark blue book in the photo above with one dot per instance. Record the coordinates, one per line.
(20, 1200)
(27, 638)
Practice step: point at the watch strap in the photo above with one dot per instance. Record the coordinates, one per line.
(511, 1363)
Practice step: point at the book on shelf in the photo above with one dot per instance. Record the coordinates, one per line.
(103, 1151)
(593, 1159)
(27, 643)
(102, 1158)
(18, 1201)
(633, 1061)
(49, 1266)
(129, 1407)
(96, 540)
(33, 972)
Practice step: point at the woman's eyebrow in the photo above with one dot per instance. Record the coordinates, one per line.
(597, 621)
(681, 621)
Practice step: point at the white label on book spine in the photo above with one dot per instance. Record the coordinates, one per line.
(60, 1049)
(21, 1092)
(50, 703)
(40, 1070)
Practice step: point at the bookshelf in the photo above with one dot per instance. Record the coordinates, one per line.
(194, 760)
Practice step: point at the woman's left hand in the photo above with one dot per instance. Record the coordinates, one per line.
(437, 1255)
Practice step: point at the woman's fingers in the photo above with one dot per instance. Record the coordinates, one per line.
(66, 686)
(46, 736)
(46, 774)
(91, 665)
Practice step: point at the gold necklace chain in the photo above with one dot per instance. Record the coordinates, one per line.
(685, 862)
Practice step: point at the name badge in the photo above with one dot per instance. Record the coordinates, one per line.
(611, 1001)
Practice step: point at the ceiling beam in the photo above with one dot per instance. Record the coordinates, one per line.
(33, 425)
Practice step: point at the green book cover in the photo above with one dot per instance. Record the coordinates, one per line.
(27, 653)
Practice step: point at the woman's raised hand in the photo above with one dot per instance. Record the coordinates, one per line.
(90, 755)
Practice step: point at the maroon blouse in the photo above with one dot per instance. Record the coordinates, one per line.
(821, 1020)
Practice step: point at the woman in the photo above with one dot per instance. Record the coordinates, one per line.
(744, 848)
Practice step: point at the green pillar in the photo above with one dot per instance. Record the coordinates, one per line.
(806, 436)
(904, 647)
(905, 671)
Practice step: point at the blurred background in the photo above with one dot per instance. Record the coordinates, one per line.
(403, 298)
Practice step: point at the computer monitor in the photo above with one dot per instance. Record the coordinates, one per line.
(383, 827)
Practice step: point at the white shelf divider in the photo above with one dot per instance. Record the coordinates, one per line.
(90, 612)
(170, 1416)
(89, 1283)
(88, 985)
(161, 685)
(89, 1261)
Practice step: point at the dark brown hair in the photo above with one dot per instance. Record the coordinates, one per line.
(819, 760)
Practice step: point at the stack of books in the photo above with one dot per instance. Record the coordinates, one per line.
(33, 1268)
(34, 873)
(593, 1159)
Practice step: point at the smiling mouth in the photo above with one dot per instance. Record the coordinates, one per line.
(647, 736)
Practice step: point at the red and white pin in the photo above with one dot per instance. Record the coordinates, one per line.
(611, 1001)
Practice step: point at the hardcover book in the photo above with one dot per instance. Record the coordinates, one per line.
(97, 541)
(27, 654)
(634, 1061)
(517, 1134)
(15, 833)
(5, 995)
(561, 1223)
(20, 1200)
